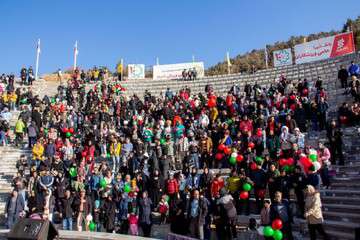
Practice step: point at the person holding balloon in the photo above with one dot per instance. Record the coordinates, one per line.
(280, 210)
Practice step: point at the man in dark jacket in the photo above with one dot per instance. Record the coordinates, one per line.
(196, 213)
(14, 208)
(67, 211)
(280, 209)
(343, 75)
(258, 176)
(334, 135)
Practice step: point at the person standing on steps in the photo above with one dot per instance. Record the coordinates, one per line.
(313, 213)
(14, 208)
(334, 135)
(343, 76)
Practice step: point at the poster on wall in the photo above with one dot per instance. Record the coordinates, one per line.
(174, 71)
(136, 71)
(282, 57)
(323, 48)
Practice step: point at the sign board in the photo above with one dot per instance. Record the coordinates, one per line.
(282, 57)
(323, 48)
(174, 71)
(136, 71)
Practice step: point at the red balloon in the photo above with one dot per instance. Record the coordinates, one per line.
(211, 102)
(229, 101)
(251, 145)
(239, 158)
(253, 166)
(285, 100)
(221, 147)
(305, 91)
(282, 162)
(290, 161)
(244, 195)
(259, 132)
(71, 130)
(277, 224)
(292, 97)
(65, 130)
(227, 151)
(306, 162)
(293, 107)
(219, 156)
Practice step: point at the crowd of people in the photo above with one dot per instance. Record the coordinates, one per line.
(189, 74)
(103, 161)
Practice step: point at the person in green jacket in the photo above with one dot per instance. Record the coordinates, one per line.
(19, 131)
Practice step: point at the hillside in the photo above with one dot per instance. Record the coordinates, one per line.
(256, 58)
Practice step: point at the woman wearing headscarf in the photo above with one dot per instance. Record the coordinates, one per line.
(313, 213)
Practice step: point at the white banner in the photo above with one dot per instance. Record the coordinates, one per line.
(136, 71)
(323, 48)
(174, 71)
(282, 57)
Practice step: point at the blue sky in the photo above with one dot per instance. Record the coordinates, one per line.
(140, 31)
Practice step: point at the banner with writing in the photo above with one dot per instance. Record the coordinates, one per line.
(324, 48)
(174, 71)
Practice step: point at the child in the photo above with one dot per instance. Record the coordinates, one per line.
(133, 221)
(163, 208)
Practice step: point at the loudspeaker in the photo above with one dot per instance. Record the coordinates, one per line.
(32, 229)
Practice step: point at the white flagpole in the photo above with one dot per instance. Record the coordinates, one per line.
(266, 57)
(37, 59)
(157, 61)
(193, 58)
(75, 54)
(228, 62)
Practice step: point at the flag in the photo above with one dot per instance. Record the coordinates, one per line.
(38, 50)
(228, 59)
(76, 51)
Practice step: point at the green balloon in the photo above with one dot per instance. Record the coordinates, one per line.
(277, 235)
(127, 188)
(53, 100)
(46, 131)
(92, 226)
(73, 172)
(258, 159)
(232, 160)
(23, 101)
(313, 157)
(247, 187)
(167, 198)
(162, 141)
(268, 231)
(108, 155)
(286, 168)
(103, 183)
(68, 134)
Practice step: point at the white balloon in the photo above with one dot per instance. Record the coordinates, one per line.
(234, 154)
(260, 230)
(317, 165)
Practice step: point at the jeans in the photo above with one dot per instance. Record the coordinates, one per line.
(116, 163)
(3, 138)
(67, 224)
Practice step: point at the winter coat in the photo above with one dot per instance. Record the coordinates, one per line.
(313, 212)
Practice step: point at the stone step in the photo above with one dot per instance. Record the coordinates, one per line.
(333, 207)
(340, 200)
(341, 216)
(340, 192)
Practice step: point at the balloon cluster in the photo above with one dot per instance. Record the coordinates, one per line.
(311, 162)
(287, 164)
(273, 231)
(68, 131)
(246, 189)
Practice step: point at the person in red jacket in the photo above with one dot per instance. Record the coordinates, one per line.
(246, 125)
(172, 186)
(216, 185)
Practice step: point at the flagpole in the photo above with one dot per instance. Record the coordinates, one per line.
(193, 58)
(266, 58)
(75, 54)
(157, 61)
(37, 59)
(122, 67)
(228, 62)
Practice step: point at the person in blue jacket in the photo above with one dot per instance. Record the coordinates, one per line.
(354, 69)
